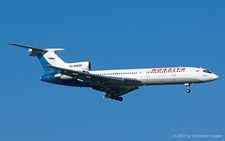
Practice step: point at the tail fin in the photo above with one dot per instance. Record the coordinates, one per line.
(45, 56)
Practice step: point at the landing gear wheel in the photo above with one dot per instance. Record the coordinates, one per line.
(102, 89)
(112, 97)
(98, 88)
(93, 87)
(116, 98)
(188, 90)
(120, 99)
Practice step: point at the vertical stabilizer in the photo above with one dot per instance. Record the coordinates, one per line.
(45, 56)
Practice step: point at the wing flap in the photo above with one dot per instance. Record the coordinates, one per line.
(119, 91)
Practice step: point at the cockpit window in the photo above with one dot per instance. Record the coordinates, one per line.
(207, 71)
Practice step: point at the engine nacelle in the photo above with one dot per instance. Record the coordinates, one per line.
(62, 76)
(80, 66)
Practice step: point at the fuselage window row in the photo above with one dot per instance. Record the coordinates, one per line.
(136, 73)
(117, 73)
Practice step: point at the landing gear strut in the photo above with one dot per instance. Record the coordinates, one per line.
(188, 90)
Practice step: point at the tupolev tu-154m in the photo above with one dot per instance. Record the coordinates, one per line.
(114, 83)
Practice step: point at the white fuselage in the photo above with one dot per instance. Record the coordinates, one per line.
(162, 76)
(114, 83)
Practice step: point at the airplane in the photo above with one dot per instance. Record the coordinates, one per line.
(114, 83)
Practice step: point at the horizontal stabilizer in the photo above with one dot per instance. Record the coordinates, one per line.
(34, 50)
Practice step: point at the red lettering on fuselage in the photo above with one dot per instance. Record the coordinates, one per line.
(153, 70)
(164, 69)
(169, 69)
(182, 69)
(158, 70)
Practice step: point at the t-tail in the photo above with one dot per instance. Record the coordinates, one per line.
(47, 57)
(53, 64)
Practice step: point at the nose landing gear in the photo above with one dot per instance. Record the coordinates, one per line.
(188, 90)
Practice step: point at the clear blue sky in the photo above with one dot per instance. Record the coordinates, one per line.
(112, 35)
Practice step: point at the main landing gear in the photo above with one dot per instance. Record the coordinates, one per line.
(188, 90)
(113, 97)
(98, 88)
(116, 98)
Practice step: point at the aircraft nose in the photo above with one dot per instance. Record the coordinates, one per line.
(215, 77)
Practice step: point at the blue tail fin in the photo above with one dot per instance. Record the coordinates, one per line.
(43, 62)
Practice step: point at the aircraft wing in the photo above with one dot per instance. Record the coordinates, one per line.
(118, 91)
(112, 85)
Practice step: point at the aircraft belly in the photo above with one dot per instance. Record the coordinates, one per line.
(75, 83)
(167, 81)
